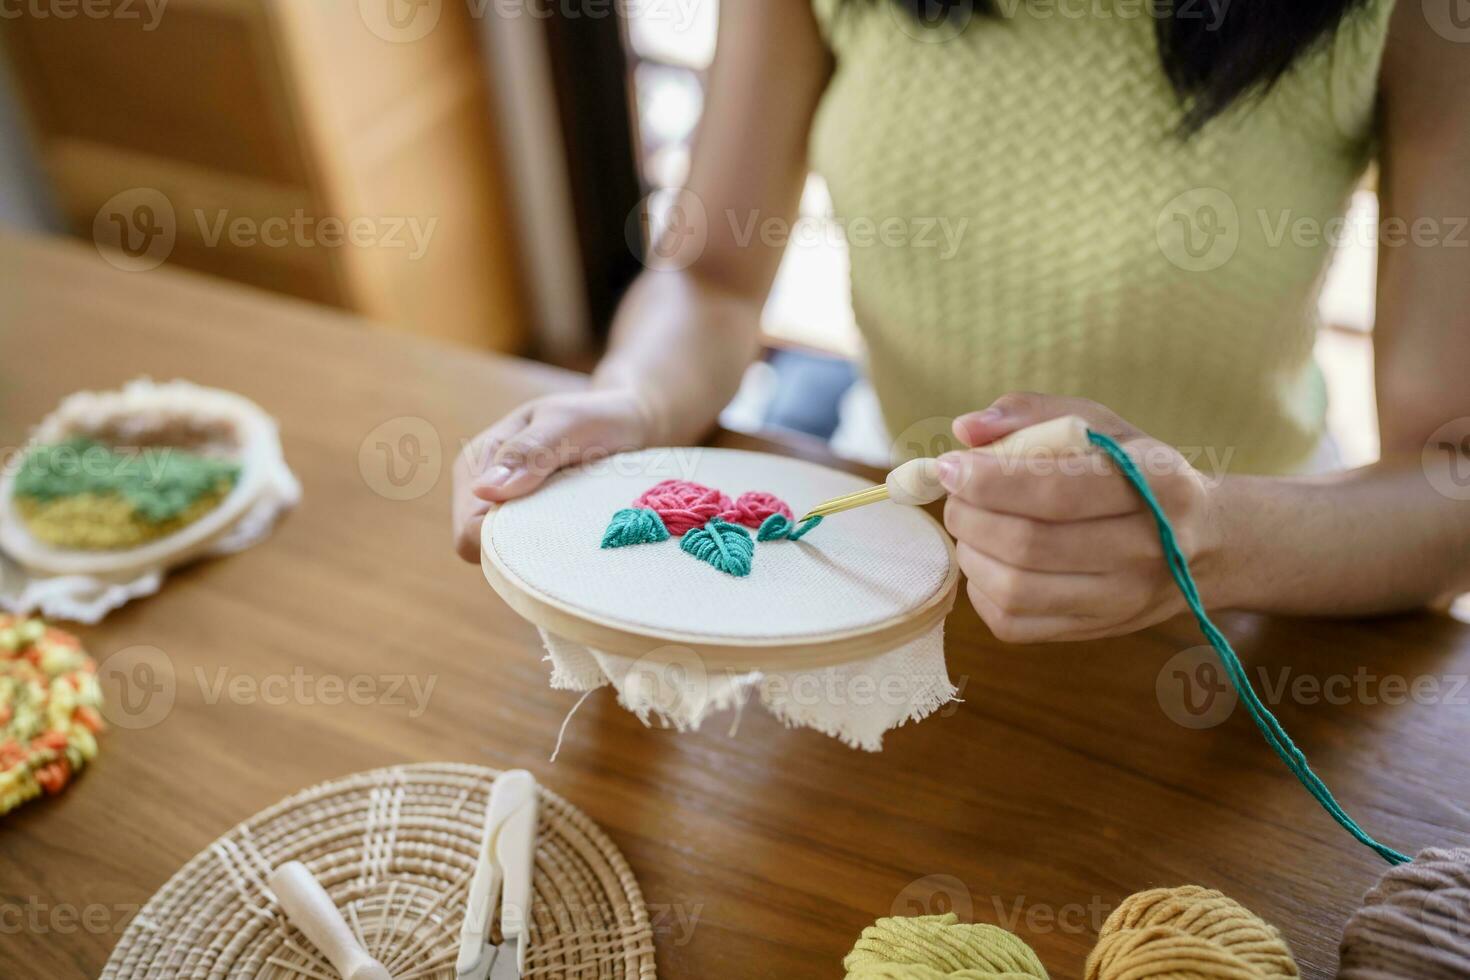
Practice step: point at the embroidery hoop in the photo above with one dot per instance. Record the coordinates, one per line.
(258, 445)
(601, 488)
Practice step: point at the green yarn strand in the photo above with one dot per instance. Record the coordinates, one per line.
(1275, 735)
(726, 546)
(634, 525)
(779, 527)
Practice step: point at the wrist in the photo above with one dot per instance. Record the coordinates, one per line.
(1219, 572)
(644, 418)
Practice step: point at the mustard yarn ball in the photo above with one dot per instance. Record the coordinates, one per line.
(1188, 933)
(940, 947)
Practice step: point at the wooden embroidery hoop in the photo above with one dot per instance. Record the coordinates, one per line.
(718, 652)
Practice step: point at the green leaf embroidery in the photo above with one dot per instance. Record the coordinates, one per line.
(726, 546)
(777, 527)
(634, 525)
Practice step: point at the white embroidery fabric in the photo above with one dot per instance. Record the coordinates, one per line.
(857, 703)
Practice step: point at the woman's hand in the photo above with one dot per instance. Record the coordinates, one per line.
(516, 455)
(1062, 547)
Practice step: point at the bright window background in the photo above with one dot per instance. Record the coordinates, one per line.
(810, 302)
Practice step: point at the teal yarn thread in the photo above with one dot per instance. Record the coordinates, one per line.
(779, 527)
(634, 525)
(1275, 735)
(726, 546)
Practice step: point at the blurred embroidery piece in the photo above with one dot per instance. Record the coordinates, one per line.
(80, 493)
(118, 487)
(49, 704)
(634, 525)
(726, 546)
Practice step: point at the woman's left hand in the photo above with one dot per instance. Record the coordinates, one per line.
(1062, 547)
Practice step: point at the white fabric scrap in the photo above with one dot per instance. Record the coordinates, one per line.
(856, 703)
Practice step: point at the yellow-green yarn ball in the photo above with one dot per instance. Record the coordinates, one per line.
(1188, 933)
(940, 947)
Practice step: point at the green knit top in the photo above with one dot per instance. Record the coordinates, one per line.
(1022, 215)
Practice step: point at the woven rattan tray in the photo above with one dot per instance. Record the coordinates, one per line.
(395, 848)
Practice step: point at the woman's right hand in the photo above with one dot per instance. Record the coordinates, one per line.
(516, 455)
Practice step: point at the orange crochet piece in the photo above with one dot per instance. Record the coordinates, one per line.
(49, 709)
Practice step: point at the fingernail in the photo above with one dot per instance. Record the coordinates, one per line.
(496, 477)
(991, 414)
(949, 473)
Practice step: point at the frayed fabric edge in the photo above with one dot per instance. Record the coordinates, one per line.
(576, 667)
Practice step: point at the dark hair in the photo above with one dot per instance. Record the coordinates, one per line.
(1214, 52)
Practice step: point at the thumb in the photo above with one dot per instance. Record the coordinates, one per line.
(524, 461)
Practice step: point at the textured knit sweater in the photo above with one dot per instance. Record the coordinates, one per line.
(1022, 215)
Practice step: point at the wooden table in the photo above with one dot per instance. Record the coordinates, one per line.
(1058, 787)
